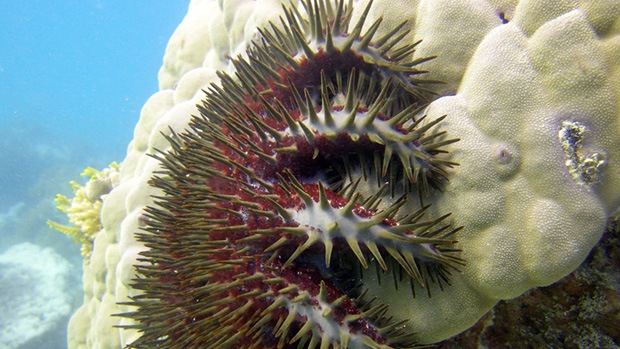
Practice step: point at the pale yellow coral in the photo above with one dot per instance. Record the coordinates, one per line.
(84, 209)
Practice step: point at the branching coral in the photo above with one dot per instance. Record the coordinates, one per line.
(84, 209)
(531, 90)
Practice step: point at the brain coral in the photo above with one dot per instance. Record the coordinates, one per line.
(531, 89)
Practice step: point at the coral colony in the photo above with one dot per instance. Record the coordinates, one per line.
(325, 191)
(288, 193)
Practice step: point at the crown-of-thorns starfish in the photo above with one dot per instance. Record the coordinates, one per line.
(291, 181)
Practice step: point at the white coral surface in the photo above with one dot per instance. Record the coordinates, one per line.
(510, 88)
(34, 297)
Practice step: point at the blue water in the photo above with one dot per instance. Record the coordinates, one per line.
(73, 78)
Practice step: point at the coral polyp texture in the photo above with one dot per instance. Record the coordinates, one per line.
(354, 174)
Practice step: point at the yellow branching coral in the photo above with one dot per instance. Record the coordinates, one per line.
(84, 209)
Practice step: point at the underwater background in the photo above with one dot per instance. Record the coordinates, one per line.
(73, 78)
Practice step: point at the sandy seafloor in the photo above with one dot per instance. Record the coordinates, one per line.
(73, 78)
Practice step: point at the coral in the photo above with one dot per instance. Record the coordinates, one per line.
(522, 79)
(34, 293)
(580, 311)
(84, 209)
(527, 221)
